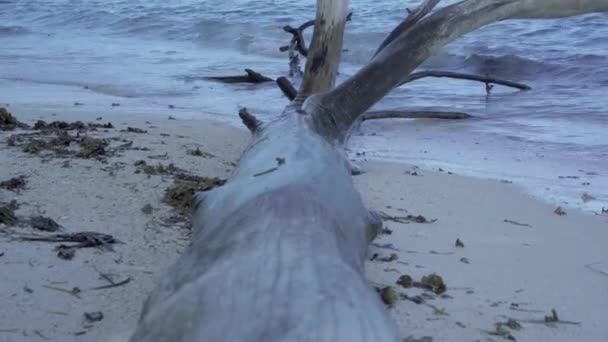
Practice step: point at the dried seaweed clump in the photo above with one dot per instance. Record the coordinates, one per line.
(179, 195)
(15, 184)
(8, 122)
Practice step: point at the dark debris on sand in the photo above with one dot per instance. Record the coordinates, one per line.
(8, 122)
(7, 213)
(55, 138)
(15, 184)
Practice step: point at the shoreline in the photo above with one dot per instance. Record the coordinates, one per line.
(508, 267)
(551, 184)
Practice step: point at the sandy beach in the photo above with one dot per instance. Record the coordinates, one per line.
(501, 253)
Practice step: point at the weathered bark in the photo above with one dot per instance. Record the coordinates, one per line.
(326, 48)
(278, 252)
(276, 257)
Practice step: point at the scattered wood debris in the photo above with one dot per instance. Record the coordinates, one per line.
(406, 219)
(75, 291)
(553, 317)
(459, 243)
(95, 316)
(44, 224)
(199, 153)
(7, 213)
(503, 329)
(389, 258)
(559, 211)
(517, 223)
(80, 240)
(15, 184)
(136, 130)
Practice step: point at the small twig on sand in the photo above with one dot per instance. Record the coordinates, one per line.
(542, 321)
(590, 266)
(120, 283)
(517, 223)
(74, 292)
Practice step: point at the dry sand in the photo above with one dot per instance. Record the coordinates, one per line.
(536, 268)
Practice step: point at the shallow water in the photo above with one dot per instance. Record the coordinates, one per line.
(152, 53)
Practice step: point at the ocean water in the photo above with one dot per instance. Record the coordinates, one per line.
(552, 140)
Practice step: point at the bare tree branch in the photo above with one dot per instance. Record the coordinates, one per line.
(326, 47)
(420, 114)
(413, 17)
(462, 76)
(335, 111)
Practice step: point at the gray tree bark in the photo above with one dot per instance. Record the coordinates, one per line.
(278, 252)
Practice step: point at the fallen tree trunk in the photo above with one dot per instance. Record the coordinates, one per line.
(278, 252)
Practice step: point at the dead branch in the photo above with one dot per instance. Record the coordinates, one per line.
(413, 17)
(463, 76)
(326, 48)
(250, 77)
(287, 88)
(399, 114)
(113, 284)
(249, 120)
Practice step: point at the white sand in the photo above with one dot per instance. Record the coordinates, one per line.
(539, 268)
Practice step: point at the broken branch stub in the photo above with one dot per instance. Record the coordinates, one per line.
(326, 48)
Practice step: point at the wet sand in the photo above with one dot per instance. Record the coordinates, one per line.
(513, 271)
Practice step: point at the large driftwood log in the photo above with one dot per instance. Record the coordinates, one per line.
(277, 253)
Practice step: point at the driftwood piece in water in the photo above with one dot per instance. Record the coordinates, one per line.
(463, 76)
(398, 114)
(250, 77)
(281, 257)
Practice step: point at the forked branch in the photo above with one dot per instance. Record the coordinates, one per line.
(335, 112)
